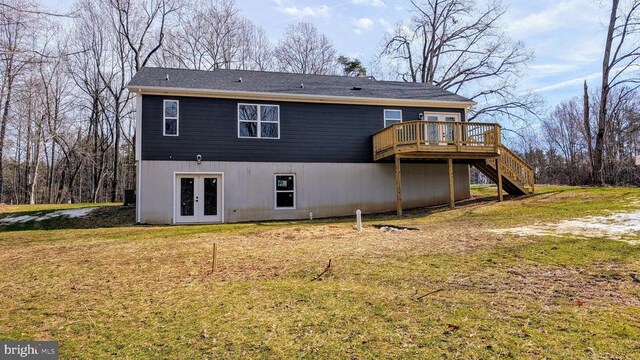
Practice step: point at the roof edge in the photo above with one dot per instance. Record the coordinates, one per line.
(271, 96)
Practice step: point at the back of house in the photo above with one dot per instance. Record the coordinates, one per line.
(235, 145)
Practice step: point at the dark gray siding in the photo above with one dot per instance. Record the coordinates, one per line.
(308, 132)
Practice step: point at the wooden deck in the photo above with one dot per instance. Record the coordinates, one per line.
(437, 139)
(478, 143)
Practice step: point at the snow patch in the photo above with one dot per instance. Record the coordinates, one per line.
(617, 226)
(71, 213)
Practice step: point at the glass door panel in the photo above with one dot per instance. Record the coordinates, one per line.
(210, 196)
(432, 131)
(187, 205)
(449, 134)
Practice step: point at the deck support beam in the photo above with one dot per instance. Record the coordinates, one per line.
(499, 171)
(452, 195)
(398, 186)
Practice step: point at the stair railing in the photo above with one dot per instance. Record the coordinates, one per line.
(517, 169)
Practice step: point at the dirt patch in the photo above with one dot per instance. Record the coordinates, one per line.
(618, 226)
(547, 284)
(551, 284)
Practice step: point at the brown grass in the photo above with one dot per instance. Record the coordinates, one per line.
(451, 289)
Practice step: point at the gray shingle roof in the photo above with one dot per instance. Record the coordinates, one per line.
(287, 83)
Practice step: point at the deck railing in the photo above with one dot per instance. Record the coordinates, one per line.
(437, 136)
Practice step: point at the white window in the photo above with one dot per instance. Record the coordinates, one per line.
(392, 117)
(170, 118)
(285, 191)
(259, 121)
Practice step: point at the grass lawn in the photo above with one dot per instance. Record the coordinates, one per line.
(106, 288)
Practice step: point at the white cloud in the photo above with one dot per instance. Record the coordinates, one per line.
(388, 26)
(551, 69)
(374, 3)
(596, 75)
(562, 14)
(362, 25)
(567, 83)
(585, 50)
(307, 11)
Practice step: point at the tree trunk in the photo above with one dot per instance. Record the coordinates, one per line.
(587, 128)
(36, 158)
(3, 123)
(27, 162)
(94, 166)
(72, 178)
(602, 113)
(116, 156)
(51, 174)
(34, 182)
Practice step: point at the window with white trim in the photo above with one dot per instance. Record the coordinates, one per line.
(285, 189)
(258, 121)
(392, 116)
(170, 118)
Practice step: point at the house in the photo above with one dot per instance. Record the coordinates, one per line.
(235, 145)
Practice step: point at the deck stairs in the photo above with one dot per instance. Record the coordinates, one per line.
(517, 175)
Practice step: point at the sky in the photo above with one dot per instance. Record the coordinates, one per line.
(566, 36)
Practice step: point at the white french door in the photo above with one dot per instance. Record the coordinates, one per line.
(198, 198)
(442, 133)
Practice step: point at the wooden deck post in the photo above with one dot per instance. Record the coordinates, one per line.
(499, 171)
(452, 195)
(398, 186)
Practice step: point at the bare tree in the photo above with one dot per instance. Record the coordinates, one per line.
(255, 51)
(135, 23)
(213, 34)
(622, 39)
(34, 11)
(115, 77)
(85, 68)
(621, 136)
(16, 27)
(140, 22)
(303, 49)
(568, 131)
(587, 127)
(460, 47)
(563, 131)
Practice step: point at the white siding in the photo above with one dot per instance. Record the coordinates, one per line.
(325, 189)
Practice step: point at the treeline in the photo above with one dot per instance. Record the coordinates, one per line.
(67, 129)
(594, 138)
(563, 153)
